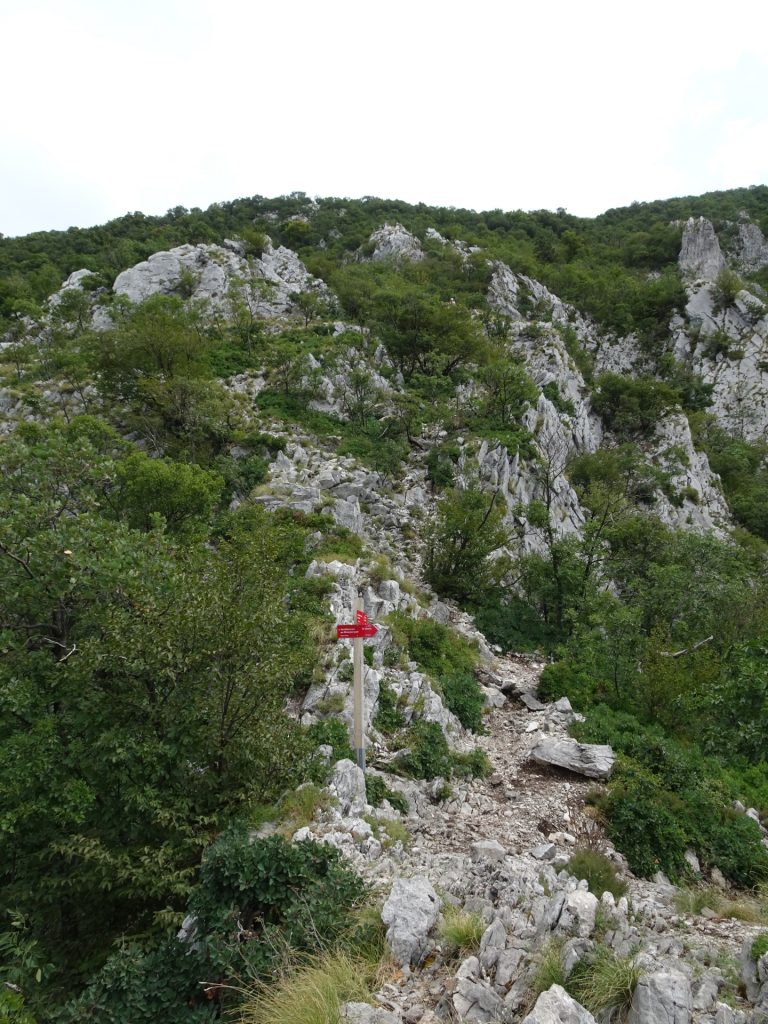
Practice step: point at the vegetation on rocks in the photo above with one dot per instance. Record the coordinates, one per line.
(499, 409)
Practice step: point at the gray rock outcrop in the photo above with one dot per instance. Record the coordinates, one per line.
(394, 242)
(591, 759)
(555, 1006)
(410, 913)
(661, 998)
(474, 998)
(700, 255)
(348, 786)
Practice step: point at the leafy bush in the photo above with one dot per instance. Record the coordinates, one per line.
(334, 733)
(254, 897)
(388, 718)
(632, 405)
(377, 791)
(428, 754)
(449, 659)
(474, 765)
(463, 696)
(599, 872)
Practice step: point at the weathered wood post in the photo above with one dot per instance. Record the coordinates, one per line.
(359, 697)
(355, 631)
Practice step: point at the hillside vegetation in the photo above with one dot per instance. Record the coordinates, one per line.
(521, 414)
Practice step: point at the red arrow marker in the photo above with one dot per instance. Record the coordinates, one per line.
(351, 631)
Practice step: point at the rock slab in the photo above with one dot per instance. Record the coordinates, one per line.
(410, 912)
(595, 760)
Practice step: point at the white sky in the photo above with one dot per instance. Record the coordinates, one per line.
(109, 107)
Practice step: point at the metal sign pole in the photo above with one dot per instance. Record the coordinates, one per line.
(357, 662)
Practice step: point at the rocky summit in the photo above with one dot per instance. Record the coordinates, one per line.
(530, 450)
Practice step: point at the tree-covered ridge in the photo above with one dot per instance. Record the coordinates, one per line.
(600, 264)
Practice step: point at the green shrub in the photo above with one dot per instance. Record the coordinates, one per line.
(463, 696)
(760, 946)
(428, 755)
(449, 659)
(254, 897)
(599, 872)
(475, 764)
(388, 718)
(377, 791)
(334, 733)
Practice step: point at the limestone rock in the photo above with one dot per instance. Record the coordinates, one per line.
(348, 786)
(700, 256)
(488, 851)
(410, 912)
(591, 759)
(364, 1013)
(394, 242)
(474, 998)
(555, 1006)
(578, 914)
(661, 998)
(492, 944)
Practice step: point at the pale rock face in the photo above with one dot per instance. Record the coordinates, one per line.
(672, 448)
(700, 255)
(661, 998)
(751, 248)
(268, 283)
(364, 1013)
(578, 915)
(555, 1006)
(410, 913)
(348, 786)
(740, 375)
(394, 242)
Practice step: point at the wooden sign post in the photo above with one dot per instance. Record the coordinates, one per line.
(355, 632)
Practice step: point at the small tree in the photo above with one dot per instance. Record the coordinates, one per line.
(468, 528)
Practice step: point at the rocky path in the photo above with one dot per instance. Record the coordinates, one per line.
(497, 847)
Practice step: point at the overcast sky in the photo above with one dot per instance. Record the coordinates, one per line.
(109, 107)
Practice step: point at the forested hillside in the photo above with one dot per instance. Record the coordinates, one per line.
(514, 434)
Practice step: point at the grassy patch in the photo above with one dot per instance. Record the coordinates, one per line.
(549, 970)
(604, 981)
(599, 872)
(462, 930)
(751, 908)
(298, 808)
(310, 993)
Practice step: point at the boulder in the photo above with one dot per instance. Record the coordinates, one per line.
(348, 786)
(555, 1006)
(364, 1013)
(474, 998)
(578, 914)
(594, 760)
(410, 912)
(488, 851)
(661, 998)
